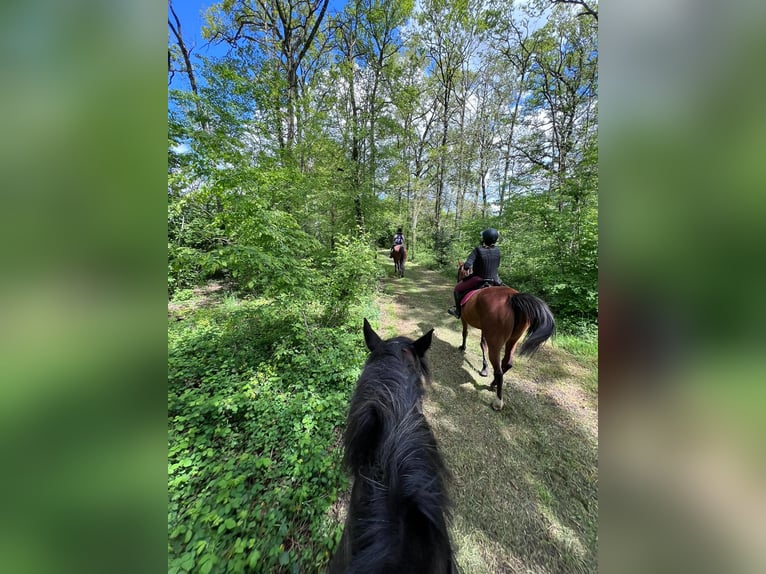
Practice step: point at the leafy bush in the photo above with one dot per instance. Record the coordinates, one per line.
(184, 268)
(258, 392)
(350, 272)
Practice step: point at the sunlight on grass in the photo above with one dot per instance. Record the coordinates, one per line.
(561, 533)
(230, 302)
(585, 348)
(469, 553)
(558, 531)
(478, 552)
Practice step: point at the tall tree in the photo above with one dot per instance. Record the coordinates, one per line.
(284, 31)
(380, 42)
(513, 49)
(449, 36)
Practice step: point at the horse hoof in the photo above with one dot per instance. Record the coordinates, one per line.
(462, 348)
(484, 373)
(497, 404)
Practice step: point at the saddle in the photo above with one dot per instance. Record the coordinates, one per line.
(484, 285)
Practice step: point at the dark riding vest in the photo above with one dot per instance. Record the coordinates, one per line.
(485, 262)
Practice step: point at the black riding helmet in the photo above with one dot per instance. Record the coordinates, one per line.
(490, 235)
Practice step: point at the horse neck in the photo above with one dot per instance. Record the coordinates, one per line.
(398, 511)
(398, 502)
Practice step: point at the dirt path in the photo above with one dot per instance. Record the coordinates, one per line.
(526, 479)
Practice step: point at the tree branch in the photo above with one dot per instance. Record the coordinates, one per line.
(587, 9)
(310, 39)
(184, 51)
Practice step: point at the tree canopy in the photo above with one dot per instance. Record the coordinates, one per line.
(318, 125)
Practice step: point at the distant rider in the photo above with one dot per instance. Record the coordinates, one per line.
(398, 240)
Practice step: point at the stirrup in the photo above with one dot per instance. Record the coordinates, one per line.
(454, 312)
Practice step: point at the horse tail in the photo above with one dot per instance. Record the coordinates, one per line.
(541, 324)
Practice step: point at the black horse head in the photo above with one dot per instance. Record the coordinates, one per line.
(397, 518)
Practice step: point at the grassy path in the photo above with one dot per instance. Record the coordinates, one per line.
(526, 479)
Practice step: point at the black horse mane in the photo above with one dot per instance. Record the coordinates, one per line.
(399, 507)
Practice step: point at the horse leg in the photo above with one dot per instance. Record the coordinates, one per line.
(510, 347)
(465, 334)
(497, 402)
(497, 382)
(484, 371)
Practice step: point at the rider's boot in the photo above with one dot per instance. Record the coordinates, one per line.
(455, 311)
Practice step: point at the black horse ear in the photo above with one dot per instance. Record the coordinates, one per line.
(422, 344)
(371, 337)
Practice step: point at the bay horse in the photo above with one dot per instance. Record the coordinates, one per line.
(503, 314)
(399, 508)
(400, 256)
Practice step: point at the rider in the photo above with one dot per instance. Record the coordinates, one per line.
(398, 240)
(485, 260)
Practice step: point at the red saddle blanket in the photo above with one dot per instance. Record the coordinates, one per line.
(467, 296)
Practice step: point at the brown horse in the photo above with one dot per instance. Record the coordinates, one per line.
(503, 314)
(400, 256)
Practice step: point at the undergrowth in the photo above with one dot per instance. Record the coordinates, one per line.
(258, 391)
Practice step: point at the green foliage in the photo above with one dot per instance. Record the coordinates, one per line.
(184, 267)
(443, 246)
(350, 271)
(258, 391)
(579, 339)
(257, 398)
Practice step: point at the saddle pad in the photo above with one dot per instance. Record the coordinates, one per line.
(467, 296)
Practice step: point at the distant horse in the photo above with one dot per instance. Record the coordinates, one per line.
(400, 256)
(397, 517)
(503, 314)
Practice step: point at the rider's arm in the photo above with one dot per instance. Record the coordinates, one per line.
(471, 258)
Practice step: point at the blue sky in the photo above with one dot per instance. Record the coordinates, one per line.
(190, 14)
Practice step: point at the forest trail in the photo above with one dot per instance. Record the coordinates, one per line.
(525, 487)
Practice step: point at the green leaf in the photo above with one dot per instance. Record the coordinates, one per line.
(200, 546)
(262, 461)
(284, 558)
(187, 561)
(252, 560)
